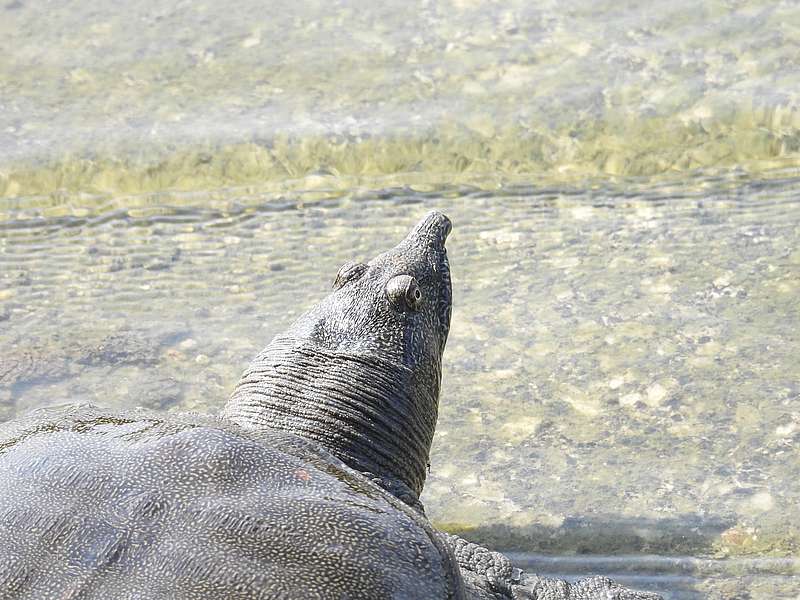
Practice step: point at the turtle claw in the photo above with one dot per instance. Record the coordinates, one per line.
(533, 587)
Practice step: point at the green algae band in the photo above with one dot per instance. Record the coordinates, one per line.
(398, 93)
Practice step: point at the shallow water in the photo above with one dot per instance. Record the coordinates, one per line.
(678, 577)
(621, 375)
(179, 181)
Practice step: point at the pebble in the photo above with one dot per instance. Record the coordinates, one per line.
(722, 281)
(762, 501)
(616, 383)
(655, 394)
(630, 399)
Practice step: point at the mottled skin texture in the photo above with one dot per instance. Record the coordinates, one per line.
(307, 485)
(104, 506)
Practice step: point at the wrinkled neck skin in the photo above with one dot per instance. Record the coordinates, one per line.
(359, 373)
(359, 407)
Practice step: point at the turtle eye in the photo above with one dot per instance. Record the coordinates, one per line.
(404, 292)
(348, 272)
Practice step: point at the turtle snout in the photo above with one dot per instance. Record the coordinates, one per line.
(433, 229)
(443, 225)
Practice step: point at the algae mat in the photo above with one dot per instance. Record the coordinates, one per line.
(137, 97)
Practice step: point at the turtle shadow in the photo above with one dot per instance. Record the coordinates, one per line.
(684, 535)
(680, 557)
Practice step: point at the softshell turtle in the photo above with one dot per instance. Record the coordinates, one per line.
(306, 486)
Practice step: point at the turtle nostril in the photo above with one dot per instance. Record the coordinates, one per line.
(433, 229)
(441, 226)
(448, 227)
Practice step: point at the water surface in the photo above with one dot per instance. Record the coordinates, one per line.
(621, 374)
(179, 181)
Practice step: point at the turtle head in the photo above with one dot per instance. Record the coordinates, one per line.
(393, 309)
(360, 372)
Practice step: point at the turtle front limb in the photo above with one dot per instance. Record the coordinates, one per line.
(490, 575)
